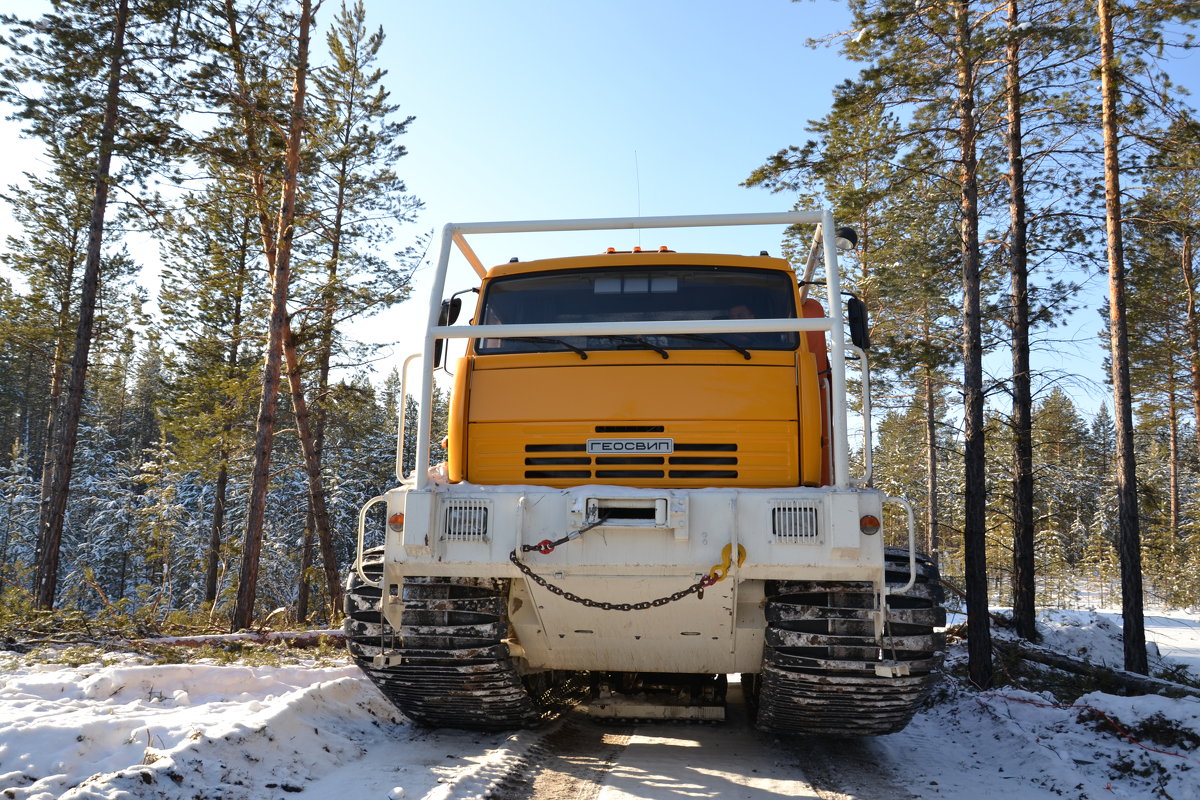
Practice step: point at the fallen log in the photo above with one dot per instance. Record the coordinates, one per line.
(298, 639)
(1131, 682)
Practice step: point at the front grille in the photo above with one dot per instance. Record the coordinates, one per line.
(697, 464)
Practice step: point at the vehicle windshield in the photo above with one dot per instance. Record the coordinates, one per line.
(624, 294)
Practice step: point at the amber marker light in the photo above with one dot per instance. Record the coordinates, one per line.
(663, 249)
(869, 524)
(396, 522)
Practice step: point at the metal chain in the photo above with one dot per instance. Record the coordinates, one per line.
(546, 547)
(696, 588)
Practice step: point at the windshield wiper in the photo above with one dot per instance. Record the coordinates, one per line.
(699, 337)
(548, 340)
(638, 341)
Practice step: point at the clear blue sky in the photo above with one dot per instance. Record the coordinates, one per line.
(537, 109)
(532, 109)
(544, 110)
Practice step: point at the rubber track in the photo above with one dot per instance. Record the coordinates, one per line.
(819, 661)
(454, 670)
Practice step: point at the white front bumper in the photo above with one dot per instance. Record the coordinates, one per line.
(654, 543)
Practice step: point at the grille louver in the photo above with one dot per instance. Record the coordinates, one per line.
(465, 520)
(691, 461)
(795, 522)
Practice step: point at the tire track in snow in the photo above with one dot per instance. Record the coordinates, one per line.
(583, 759)
(569, 762)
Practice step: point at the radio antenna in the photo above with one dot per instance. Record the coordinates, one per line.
(637, 177)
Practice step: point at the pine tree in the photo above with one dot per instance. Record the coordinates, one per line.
(278, 244)
(356, 201)
(1134, 634)
(210, 307)
(932, 57)
(86, 67)
(54, 213)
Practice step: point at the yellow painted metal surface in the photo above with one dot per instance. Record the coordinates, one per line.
(519, 418)
(653, 390)
(457, 421)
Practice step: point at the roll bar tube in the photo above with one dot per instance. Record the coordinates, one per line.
(453, 235)
(402, 419)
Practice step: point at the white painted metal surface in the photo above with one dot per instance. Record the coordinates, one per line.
(639, 559)
(468, 530)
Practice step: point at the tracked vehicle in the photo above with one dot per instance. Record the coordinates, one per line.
(648, 487)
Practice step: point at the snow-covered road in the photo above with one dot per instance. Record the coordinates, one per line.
(217, 732)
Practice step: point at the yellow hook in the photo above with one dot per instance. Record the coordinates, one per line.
(721, 571)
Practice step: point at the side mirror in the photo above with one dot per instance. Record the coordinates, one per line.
(856, 315)
(448, 316)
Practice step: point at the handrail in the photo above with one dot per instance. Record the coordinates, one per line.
(640, 223)
(868, 431)
(912, 547)
(402, 419)
(362, 526)
(837, 357)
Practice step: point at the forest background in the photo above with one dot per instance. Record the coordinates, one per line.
(268, 180)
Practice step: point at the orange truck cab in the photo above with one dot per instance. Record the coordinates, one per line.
(676, 410)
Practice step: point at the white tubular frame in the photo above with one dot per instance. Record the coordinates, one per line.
(402, 420)
(868, 438)
(453, 235)
(912, 546)
(362, 527)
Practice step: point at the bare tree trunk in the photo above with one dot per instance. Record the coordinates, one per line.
(64, 456)
(306, 555)
(1023, 587)
(1131, 683)
(1193, 324)
(280, 279)
(57, 374)
(217, 531)
(1129, 541)
(979, 634)
(312, 464)
(1172, 447)
(933, 545)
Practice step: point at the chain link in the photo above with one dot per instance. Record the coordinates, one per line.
(696, 588)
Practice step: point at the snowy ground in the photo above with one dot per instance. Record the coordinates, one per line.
(130, 730)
